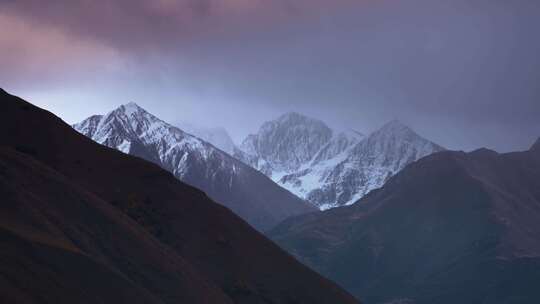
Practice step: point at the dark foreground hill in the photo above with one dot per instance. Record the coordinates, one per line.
(453, 227)
(82, 223)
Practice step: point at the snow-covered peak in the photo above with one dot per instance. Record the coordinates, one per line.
(132, 105)
(294, 117)
(129, 125)
(132, 119)
(392, 147)
(289, 141)
(291, 126)
(131, 108)
(395, 127)
(395, 134)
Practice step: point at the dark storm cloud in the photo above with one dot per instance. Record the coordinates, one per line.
(134, 23)
(158, 23)
(138, 30)
(464, 73)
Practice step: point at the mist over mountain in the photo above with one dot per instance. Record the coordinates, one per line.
(217, 136)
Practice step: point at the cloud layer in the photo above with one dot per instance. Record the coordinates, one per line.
(445, 67)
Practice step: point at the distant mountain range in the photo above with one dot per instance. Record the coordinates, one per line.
(328, 168)
(247, 192)
(83, 223)
(301, 154)
(450, 228)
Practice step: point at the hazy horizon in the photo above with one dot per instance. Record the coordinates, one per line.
(240, 137)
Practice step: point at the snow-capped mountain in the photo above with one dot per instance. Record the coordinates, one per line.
(230, 182)
(327, 168)
(287, 143)
(217, 136)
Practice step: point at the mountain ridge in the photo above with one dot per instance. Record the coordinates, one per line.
(133, 130)
(330, 168)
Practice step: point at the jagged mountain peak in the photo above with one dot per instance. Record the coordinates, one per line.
(124, 114)
(294, 116)
(291, 123)
(395, 126)
(286, 143)
(131, 104)
(136, 120)
(130, 108)
(294, 120)
(395, 133)
(129, 126)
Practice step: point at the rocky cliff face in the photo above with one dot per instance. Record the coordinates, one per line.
(284, 145)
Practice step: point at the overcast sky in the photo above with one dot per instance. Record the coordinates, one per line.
(464, 73)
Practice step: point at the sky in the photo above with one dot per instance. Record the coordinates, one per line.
(463, 73)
